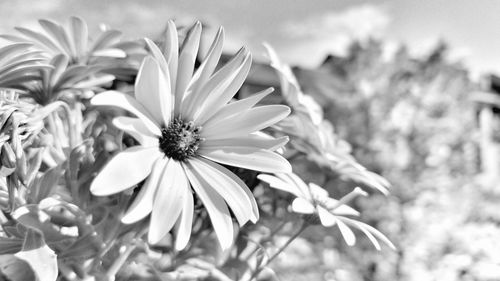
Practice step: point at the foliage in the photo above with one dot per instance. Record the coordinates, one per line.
(412, 120)
(63, 204)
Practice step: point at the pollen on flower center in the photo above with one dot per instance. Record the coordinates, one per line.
(180, 140)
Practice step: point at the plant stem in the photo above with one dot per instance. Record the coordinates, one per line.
(71, 126)
(115, 267)
(280, 250)
(269, 237)
(54, 132)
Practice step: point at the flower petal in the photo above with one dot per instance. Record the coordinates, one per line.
(251, 140)
(317, 191)
(171, 52)
(124, 101)
(124, 170)
(246, 122)
(301, 205)
(195, 102)
(143, 202)
(187, 58)
(220, 96)
(347, 234)
(238, 106)
(248, 158)
(152, 89)
(135, 127)
(343, 209)
(280, 184)
(299, 183)
(157, 55)
(370, 236)
(327, 219)
(207, 67)
(168, 202)
(185, 221)
(215, 206)
(372, 230)
(229, 186)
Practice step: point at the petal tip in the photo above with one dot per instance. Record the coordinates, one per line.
(129, 218)
(153, 238)
(97, 190)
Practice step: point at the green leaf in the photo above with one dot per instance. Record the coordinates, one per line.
(13, 268)
(42, 259)
(45, 184)
(32, 217)
(10, 245)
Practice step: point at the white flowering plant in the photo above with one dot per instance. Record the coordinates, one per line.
(127, 160)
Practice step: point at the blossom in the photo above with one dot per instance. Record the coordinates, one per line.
(314, 135)
(72, 40)
(187, 126)
(311, 198)
(315, 202)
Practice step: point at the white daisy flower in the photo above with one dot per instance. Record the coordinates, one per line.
(186, 127)
(314, 202)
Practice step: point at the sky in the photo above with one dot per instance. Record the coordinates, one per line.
(302, 31)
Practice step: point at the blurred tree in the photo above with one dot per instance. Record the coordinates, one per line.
(410, 119)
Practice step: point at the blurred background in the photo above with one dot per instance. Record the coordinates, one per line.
(409, 84)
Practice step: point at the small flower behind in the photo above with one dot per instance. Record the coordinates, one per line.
(318, 207)
(186, 125)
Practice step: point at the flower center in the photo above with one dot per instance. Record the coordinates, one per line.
(319, 201)
(180, 140)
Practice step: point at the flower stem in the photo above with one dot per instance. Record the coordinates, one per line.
(115, 267)
(280, 250)
(266, 239)
(71, 126)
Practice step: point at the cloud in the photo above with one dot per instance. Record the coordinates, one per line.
(357, 22)
(308, 41)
